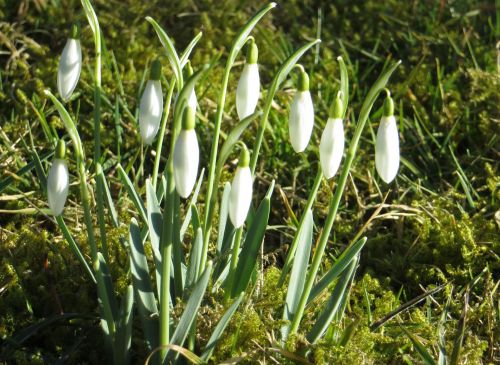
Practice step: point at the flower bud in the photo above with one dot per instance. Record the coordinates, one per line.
(331, 147)
(240, 197)
(58, 180)
(387, 144)
(248, 90)
(70, 65)
(186, 155)
(151, 107)
(301, 120)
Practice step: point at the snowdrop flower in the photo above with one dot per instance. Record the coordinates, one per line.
(151, 106)
(70, 65)
(248, 90)
(192, 100)
(241, 190)
(301, 120)
(387, 144)
(186, 155)
(58, 180)
(331, 147)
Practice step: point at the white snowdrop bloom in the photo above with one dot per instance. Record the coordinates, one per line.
(248, 90)
(240, 197)
(301, 119)
(151, 106)
(70, 65)
(186, 155)
(387, 144)
(58, 181)
(331, 147)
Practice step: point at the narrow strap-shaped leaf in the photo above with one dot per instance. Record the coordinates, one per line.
(297, 277)
(187, 52)
(144, 296)
(155, 222)
(167, 43)
(124, 328)
(194, 258)
(192, 202)
(107, 198)
(106, 294)
(251, 245)
(223, 214)
(344, 85)
(422, 351)
(339, 266)
(188, 355)
(191, 310)
(219, 329)
(132, 193)
(74, 247)
(333, 304)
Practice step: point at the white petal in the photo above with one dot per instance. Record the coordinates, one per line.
(248, 90)
(150, 111)
(70, 66)
(331, 147)
(241, 196)
(57, 186)
(387, 149)
(186, 159)
(301, 120)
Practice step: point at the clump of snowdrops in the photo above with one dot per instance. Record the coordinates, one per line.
(187, 276)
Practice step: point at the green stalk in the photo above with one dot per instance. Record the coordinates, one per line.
(234, 264)
(85, 196)
(159, 144)
(335, 202)
(237, 45)
(293, 248)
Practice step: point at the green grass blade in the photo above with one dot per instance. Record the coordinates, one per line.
(191, 310)
(132, 193)
(194, 259)
(144, 296)
(297, 277)
(219, 329)
(187, 52)
(251, 245)
(155, 221)
(334, 303)
(422, 351)
(172, 55)
(459, 336)
(338, 267)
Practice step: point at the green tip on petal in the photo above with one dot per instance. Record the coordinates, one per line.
(303, 81)
(388, 105)
(252, 52)
(337, 107)
(244, 160)
(75, 31)
(61, 150)
(155, 70)
(188, 119)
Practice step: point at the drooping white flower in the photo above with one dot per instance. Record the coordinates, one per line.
(248, 90)
(186, 155)
(331, 147)
(387, 144)
(58, 181)
(151, 106)
(70, 65)
(240, 197)
(301, 119)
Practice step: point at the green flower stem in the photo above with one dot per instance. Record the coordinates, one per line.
(234, 263)
(335, 201)
(309, 204)
(159, 144)
(85, 196)
(74, 247)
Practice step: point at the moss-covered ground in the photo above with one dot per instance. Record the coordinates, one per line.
(439, 225)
